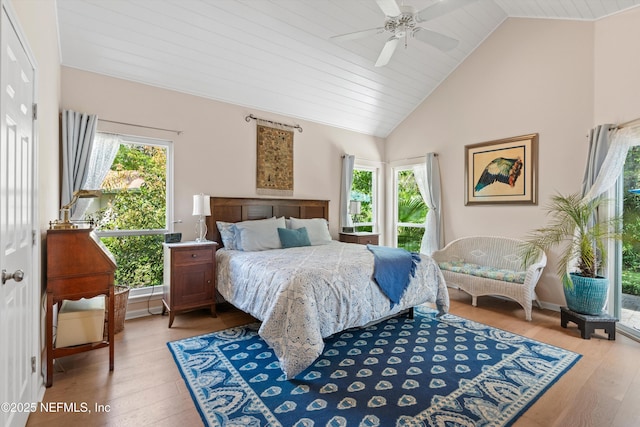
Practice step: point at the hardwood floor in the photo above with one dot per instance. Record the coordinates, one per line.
(601, 390)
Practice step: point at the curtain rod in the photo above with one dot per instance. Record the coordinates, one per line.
(630, 123)
(179, 132)
(399, 160)
(251, 116)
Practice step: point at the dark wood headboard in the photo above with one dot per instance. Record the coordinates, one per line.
(236, 209)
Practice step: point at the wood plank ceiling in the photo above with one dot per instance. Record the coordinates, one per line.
(278, 55)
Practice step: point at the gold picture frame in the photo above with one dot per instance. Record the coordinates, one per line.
(502, 171)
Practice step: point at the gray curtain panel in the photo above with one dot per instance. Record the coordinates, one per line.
(78, 131)
(598, 148)
(345, 190)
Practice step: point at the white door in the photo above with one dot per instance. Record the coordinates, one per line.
(18, 288)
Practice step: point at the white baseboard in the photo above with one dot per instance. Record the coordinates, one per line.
(147, 304)
(144, 302)
(543, 304)
(550, 306)
(142, 312)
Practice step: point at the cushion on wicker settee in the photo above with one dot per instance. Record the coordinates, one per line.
(484, 271)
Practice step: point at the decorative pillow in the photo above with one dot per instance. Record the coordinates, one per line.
(317, 228)
(294, 238)
(227, 234)
(259, 235)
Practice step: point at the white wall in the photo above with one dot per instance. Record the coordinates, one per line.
(617, 68)
(530, 76)
(559, 79)
(216, 152)
(556, 78)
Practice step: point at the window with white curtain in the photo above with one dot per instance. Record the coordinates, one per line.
(410, 210)
(364, 198)
(625, 267)
(133, 213)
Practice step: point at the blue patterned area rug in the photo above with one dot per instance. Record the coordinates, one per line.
(425, 371)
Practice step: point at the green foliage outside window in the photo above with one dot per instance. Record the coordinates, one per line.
(631, 224)
(362, 191)
(136, 207)
(411, 207)
(411, 210)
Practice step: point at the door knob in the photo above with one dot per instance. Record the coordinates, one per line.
(18, 275)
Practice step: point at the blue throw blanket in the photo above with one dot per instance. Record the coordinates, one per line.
(393, 269)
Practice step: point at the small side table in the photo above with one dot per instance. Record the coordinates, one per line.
(362, 238)
(588, 323)
(189, 277)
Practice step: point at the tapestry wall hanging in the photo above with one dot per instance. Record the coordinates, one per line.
(274, 174)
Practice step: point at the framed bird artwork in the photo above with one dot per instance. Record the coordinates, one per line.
(502, 171)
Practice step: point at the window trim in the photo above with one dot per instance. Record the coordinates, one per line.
(149, 293)
(395, 169)
(375, 199)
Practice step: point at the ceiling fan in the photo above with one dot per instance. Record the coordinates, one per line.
(402, 22)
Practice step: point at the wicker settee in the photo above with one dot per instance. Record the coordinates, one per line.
(491, 265)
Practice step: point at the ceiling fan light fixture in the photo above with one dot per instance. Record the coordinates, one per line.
(402, 21)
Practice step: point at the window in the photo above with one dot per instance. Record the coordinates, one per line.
(364, 190)
(410, 211)
(628, 292)
(132, 214)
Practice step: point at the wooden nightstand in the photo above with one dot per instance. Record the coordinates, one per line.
(360, 238)
(189, 277)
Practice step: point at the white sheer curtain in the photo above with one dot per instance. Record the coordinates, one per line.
(601, 173)
(613, 164)
(78, 131)
(104, 150)
(427, 177)
(345, 190)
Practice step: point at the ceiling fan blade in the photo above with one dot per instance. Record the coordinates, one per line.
(358, 34)
(440, 8)
(438, 40)
(387, 52)
(389, 7)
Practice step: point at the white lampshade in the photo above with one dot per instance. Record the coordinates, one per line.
(201, 205)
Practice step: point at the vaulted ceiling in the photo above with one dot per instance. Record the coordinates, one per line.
(279, 55)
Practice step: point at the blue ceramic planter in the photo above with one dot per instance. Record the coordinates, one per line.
(588, 294)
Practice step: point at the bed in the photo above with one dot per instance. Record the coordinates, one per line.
(303, 294)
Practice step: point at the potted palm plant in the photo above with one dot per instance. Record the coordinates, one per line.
(583, 241)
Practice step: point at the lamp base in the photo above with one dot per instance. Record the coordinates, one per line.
(65, 223)
(201, 230)
(62, 226)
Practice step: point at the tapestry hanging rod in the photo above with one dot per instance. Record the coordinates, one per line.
(179, 132)
(251, 116)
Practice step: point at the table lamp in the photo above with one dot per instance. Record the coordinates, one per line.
(66, 224)
(201, 208)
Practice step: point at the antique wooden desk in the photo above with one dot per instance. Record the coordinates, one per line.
(78, 266)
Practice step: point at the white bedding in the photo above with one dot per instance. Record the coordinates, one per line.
(305, 294)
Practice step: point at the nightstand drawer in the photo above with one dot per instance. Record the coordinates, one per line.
(193, 256)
